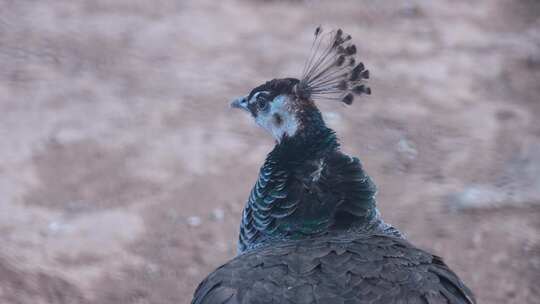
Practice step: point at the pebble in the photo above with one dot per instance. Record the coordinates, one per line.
(194, 221)
(218, 214)
(56, 227)
(407, 147)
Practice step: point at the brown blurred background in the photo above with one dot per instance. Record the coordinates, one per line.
(123, 172)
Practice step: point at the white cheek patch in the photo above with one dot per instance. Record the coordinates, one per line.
(286, 124)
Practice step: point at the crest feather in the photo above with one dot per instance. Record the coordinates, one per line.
(331, 71)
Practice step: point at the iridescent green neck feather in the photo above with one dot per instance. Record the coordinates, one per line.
(308, 188)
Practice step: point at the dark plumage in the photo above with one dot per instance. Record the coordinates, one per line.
(320, 240)
(310, 231)
(306, 187)
(335, 270)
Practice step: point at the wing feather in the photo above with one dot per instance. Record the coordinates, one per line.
(329, 270)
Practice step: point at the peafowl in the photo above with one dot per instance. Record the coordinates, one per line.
(310, 231)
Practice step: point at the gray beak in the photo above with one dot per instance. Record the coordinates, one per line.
(240, 103)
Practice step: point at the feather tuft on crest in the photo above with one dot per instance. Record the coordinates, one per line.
(348, 99)
(331, 71)
(361, 89)
(318, 30)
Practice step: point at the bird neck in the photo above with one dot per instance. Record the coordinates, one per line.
(310, 142)
(308, 188)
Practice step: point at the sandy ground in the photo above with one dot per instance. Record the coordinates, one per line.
(123, 172)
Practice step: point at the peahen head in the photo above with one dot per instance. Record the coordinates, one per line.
(285, 107)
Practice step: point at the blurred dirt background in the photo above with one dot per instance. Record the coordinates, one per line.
(123, 171)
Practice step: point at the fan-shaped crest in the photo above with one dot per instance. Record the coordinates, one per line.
(331, 71)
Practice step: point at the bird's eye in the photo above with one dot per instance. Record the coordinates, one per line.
(262, 102)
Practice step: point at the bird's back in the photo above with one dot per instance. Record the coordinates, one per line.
(334, 269)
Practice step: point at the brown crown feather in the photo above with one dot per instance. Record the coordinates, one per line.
(331, 71)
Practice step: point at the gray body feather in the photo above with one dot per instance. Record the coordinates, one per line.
(348, 270)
